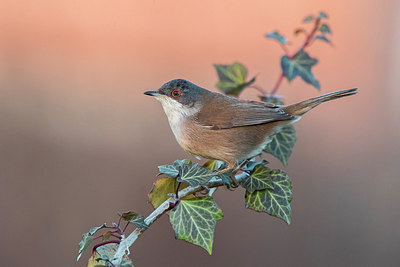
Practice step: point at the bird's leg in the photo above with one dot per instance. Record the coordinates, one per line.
(241, 166)
(229, 168)
(234, 171)
(205, 190)
(233, 168)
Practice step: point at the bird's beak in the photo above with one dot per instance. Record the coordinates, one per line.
(152, 93)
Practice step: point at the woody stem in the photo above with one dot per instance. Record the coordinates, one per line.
(126, 242)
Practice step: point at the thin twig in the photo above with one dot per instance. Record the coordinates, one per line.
(284, 48)
(277, 84)
(310, 36)
(259, 89)
(126, 226)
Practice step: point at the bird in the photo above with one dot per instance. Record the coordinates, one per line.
(219, 127)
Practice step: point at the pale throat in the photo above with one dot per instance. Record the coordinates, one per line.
(176, 113)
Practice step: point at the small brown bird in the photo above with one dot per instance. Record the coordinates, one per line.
(220, 127)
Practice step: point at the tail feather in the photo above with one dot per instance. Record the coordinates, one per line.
(299, 109)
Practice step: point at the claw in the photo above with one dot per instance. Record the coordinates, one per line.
(205, 190)
(234, 182)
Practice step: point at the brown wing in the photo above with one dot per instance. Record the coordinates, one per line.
(222, 112)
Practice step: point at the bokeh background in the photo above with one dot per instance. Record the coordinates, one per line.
(80, 142)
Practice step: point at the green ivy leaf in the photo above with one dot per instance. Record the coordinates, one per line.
(308, 18)
(194, 221)
(258, 180)
(169, 170)
(232, 78)
(135, 219)
(324, 28)
(161, 190)
(249, 167)
(173, 170)
(214, 165)
(300, 65)
(277, 36)
(322, 15)
(195, 175)
(298, 30)
(322, 38)
(106, 236)
(282, 143)
(87, 239)
(104, 256)
(181, 162)
(276, 201)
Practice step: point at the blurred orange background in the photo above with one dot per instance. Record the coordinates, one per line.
(80, 142)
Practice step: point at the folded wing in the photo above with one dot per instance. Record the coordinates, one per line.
(227, 112)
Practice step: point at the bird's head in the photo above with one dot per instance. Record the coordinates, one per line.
(179, 97)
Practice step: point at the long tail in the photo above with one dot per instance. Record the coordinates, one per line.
(299, 109)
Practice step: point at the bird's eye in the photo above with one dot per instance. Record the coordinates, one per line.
(176, 93)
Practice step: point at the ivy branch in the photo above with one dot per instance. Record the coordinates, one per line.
(319, 31)
(185, 192)
(167, 205)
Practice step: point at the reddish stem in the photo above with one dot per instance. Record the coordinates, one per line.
(119, 221)
(277, 84)
(116, 236)
(114, 231)
(126, 226)
(259, 89)
(97, 237)
(284, 48)
(177, 190)
(311, 35)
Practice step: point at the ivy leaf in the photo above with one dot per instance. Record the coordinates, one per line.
(258, 180)
(181, 162)
(169, 170)
(224, 178)
(194, 174)
(277, 36)
(87, 239)
(249, 167)
(134, 218)
(282, 143)
(300, 65)
(322, 15)
(214, 165)
(308, 18)
(323, 38)
(104, 256)
(161, 188)
(194, 221)
(232, 78)
(106, 236)
(324, 28)
(173, 170)
(298, 30)
(276, 201)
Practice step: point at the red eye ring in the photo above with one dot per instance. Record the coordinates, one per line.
(176, 93)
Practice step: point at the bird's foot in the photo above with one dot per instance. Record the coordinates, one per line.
(234, 183)
(205, 190)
